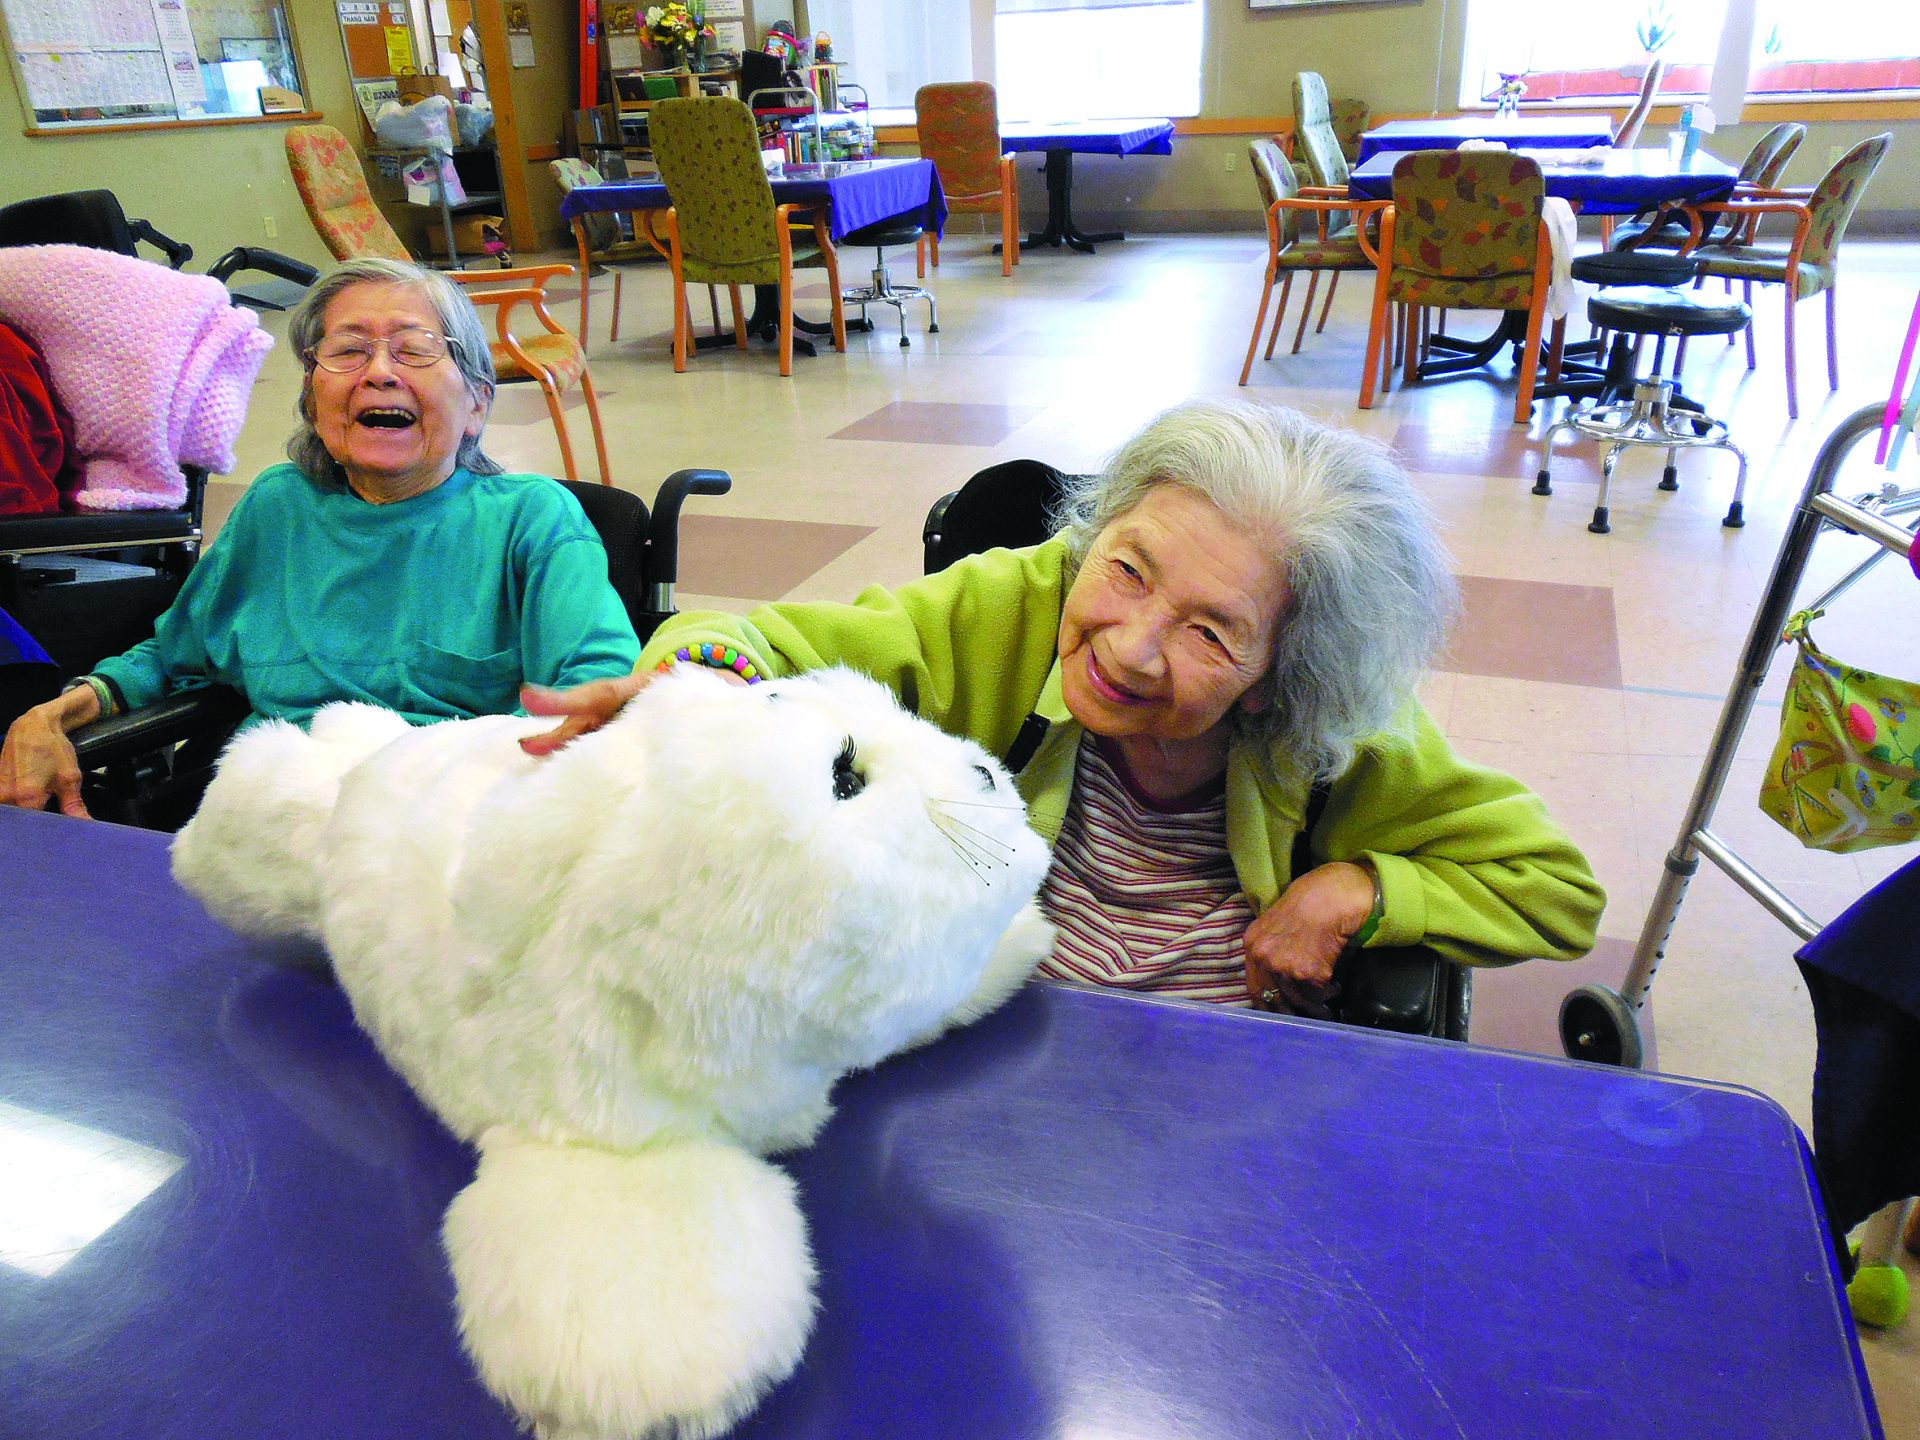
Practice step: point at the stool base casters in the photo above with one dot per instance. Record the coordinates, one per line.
(884, 292)
(1650, 418)
(1597, 1024)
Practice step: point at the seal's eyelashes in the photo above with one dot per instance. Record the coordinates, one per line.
(847, 779)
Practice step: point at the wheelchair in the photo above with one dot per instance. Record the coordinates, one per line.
(89, 585)
(149, 767)
(1412, 990)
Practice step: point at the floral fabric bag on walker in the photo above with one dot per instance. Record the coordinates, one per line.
(1844, 775)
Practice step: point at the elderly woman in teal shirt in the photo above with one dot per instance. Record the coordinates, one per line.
(391, 562)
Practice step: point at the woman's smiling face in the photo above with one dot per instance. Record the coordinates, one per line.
(394, 428)
(1170, 622)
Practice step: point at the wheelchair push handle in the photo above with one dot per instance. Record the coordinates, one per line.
(663, 544)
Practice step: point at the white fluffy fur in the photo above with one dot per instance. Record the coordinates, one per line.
(612, 967)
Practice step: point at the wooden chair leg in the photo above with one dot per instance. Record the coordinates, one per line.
(1833, 355)
(933, 249)
(599, 436)
(833, 287)
(1556, 348)
(580, 239)
(552, 395)
(1333, 283)
(613, 334)
(920, 257)
(1306, 310)
(713, 306)
(1409, 344)
(681, 323)
(1280, 311)
(739, 318)
(1009, 245)
(1259, 324)
(786, 323)
(1536, 317)
(1376, 331)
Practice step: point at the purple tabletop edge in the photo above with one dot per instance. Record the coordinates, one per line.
(1623, 181)
(1546, 131)
(1089, 137)
(858, 192)
(1088, 1213)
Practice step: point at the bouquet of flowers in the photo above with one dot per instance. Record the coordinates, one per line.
(671, 27)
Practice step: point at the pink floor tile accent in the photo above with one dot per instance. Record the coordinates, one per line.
(1536, 630)
(757, 559)
(938, 422)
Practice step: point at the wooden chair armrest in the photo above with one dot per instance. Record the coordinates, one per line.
(1324, 192)
(538, 274)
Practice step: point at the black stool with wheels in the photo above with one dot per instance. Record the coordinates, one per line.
(1632, 411)
(882, 291)
(1584, 371)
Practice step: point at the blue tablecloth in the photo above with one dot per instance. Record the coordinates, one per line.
(1090, 137)
(1624, 181)
(858, 192)
(1539, 132)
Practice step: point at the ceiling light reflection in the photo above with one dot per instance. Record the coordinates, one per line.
(66, 1186)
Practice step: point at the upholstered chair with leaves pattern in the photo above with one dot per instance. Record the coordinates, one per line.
(1316, 144)
(1299, 237)
(1668, 229)
(1463, 233)
(1350, 119)
(724, 227)
(1806, 265)
(959, 128)
(597, 234)
(542, 353)
(333, 187)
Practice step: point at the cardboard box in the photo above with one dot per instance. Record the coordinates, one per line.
(472, 234)
(419, 87)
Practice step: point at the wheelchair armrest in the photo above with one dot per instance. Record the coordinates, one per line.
(272, 262)
(1412, 990)
(663, 540)
(178, 252)
(140, 732)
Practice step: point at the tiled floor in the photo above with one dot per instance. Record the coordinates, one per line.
(1592, 666)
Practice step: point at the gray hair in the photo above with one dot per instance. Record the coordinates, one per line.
(1370, 598)
(459, 322)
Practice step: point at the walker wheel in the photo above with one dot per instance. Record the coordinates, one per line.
(1597, 1024)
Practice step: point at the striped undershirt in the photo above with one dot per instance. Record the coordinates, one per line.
(1144, 892)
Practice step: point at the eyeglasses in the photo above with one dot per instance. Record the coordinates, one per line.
(414, 347)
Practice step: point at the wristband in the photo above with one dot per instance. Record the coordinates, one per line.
(109, 707)
(715, 657)
(1374, 916)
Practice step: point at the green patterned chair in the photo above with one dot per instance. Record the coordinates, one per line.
(1294, 245)
(1806, 265)
(1463, 233)
(1350, 118)
(602, 246)
(1667, 228)
(723, 227)
(1315, 141)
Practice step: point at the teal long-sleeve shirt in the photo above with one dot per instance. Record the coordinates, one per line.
(438, 607)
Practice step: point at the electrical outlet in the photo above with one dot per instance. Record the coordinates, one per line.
(1229, 162)
(272, 226)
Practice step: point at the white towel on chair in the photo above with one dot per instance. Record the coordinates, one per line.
(1557, 215)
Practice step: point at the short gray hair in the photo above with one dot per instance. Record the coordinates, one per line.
(1370, 597)
(459, 322)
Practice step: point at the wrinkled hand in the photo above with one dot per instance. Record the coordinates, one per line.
(37, 761)
(1292, 947)
(586, 708)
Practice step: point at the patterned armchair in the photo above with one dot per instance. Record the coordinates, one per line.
(1350, 118)
(547, 356)
(1294, 245)
(724, 228)
(1315, 141)
(598, 236)
(1668, 228)
(1806, 265)
(1463, 233)
(959, 129)
(333, 187)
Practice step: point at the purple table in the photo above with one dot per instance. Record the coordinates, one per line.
(1088, 1215)
(1533, 130)
(1623, 182)
(1062, 140)
(856, 192)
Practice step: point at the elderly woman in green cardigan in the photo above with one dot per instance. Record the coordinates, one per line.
(1237, 607)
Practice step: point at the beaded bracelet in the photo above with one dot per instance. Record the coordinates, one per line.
(1374, 916)
(715, 657)
(102, 692)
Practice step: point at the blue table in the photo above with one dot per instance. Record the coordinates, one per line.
(1600, 182)
(855, 193)
(1061, 141)
(1091, 1214)
(1535, 130)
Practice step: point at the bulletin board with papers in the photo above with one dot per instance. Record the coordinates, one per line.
(95, 63)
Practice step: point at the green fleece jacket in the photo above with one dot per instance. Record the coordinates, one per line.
(1468, 860)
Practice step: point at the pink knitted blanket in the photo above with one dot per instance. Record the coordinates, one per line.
(154, 366)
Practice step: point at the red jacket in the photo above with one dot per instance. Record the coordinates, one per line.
(36, 438)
